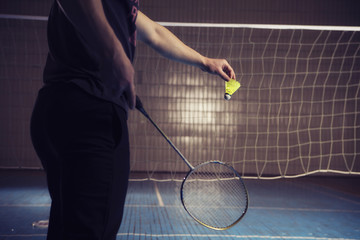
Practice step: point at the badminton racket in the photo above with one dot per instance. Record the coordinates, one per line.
(212, 193)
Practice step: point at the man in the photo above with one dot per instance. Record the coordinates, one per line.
(78, 126)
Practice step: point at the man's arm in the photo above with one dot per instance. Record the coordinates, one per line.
(167, 44)
(89, 19)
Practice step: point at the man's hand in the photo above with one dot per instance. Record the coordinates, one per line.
(123, 72)
(220, 67)
(120, 69)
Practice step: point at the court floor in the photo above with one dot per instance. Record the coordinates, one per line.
(302, 208)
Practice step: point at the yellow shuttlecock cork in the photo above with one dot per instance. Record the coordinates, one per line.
(230, 88)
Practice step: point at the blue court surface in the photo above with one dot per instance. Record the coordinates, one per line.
(302, 208)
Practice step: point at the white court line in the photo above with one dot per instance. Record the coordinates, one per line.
(307, 209)
(26, 205)
(166, 236)
(23, 235)
(161, 204)
(159, 198)
(228, 236)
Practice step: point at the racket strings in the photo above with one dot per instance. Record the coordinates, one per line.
(214, 195)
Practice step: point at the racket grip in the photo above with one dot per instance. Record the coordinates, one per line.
(139, 106)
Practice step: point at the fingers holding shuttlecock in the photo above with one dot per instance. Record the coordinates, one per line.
(230, 88)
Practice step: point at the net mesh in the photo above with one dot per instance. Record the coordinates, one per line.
(295, 114)
(214, 195)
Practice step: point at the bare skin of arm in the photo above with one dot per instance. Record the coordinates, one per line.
(167, 44)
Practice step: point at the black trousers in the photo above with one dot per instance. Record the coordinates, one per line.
(82, 142)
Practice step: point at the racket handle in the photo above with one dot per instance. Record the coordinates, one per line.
(139, 106)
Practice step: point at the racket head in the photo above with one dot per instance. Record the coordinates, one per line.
(214, 195)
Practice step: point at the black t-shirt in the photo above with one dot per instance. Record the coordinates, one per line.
(71, 60)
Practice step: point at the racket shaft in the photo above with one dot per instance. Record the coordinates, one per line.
(140, 107)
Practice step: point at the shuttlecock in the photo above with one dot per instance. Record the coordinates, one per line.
(227, 96)
(230, 88)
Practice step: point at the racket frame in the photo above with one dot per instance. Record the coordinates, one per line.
(198, 220)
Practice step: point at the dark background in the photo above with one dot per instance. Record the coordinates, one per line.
(185, 101)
